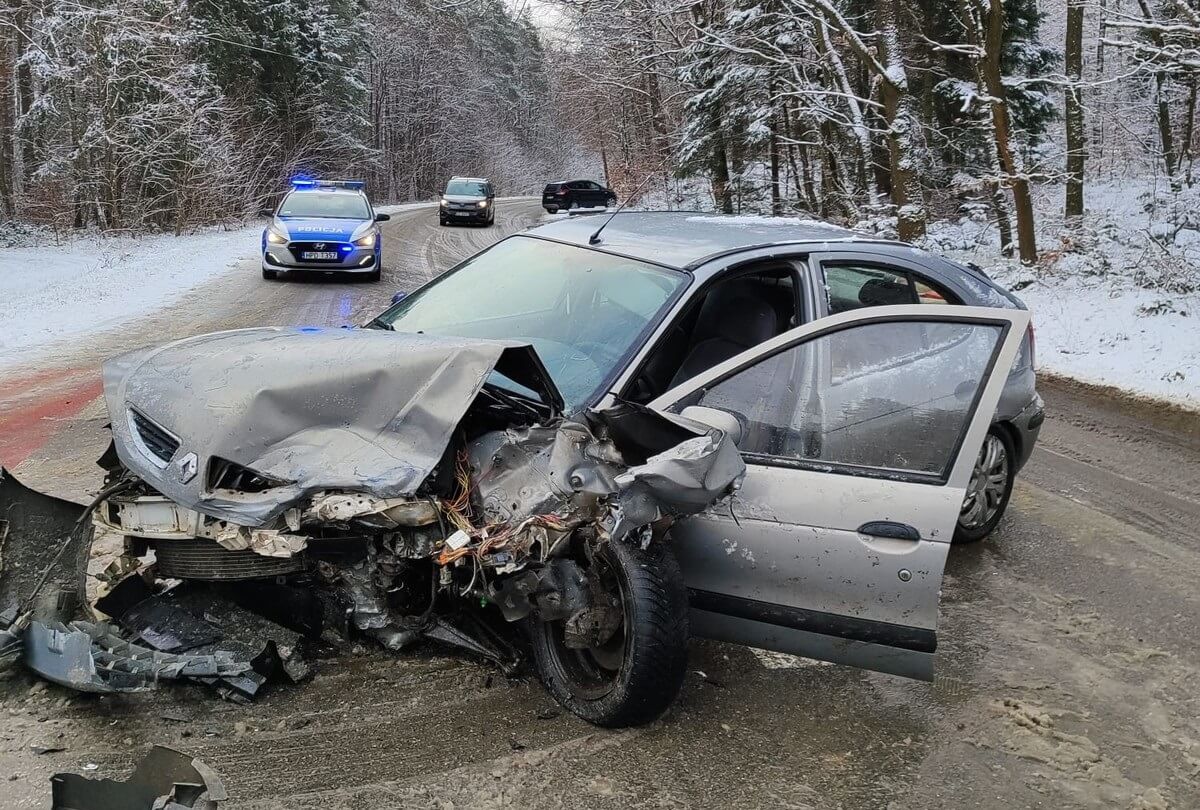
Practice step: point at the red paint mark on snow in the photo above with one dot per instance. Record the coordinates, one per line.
(33, 408)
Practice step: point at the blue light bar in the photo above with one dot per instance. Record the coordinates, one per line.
(308, 182)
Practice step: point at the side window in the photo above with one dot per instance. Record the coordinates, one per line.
(891, 406)
(851, 286)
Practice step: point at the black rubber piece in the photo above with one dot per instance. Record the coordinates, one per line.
(655, 662)
(963, 535)
(269, 275)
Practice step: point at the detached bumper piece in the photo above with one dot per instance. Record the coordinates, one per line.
(93, 658)
(165, 780)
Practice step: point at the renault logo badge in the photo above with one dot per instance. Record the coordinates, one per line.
(187, 468)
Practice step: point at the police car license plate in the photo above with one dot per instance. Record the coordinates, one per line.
(319, 254)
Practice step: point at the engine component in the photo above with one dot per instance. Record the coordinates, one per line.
(550, 592)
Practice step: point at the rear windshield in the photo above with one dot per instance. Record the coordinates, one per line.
(551, 187)
(467, 188)
(325, 205)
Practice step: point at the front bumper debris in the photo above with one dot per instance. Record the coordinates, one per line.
(165, 779)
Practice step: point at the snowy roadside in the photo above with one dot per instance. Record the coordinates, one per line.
(87, 284)
(50, 292)
(1116, 302)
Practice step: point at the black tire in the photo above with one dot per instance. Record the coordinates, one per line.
(374, 275)
(973, 531)
(653, 643)
(551, 209)
(269, 275)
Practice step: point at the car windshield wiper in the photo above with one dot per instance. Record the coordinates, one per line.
(378, 323)
(513, 400)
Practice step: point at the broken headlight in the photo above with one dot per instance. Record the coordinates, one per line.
(230, 475)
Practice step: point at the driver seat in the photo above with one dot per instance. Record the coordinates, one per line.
(732, 318)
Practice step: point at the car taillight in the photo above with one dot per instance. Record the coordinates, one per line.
(562, 192)
(1032, 346)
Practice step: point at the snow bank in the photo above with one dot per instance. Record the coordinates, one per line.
(49, 292)
(1115, 302)
(1137, 340)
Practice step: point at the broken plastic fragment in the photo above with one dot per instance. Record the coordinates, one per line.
(165, 778)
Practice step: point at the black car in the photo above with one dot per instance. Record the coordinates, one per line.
(568, 194)
(468, 199)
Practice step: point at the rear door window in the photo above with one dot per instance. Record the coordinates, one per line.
(853, 285)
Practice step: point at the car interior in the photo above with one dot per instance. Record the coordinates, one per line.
(733, 315)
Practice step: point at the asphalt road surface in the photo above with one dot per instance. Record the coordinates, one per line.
(1069, 661)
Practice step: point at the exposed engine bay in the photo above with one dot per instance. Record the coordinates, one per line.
(396, 487)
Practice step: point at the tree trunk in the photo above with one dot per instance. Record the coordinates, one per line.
(720, 173)
(1189, 131)
(776, 197)
(1163, 106)
(903, 124)
(1076, 137)
(1022, 201)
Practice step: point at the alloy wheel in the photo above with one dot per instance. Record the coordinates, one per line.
(988, 486)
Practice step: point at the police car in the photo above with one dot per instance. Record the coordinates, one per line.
(324, 226)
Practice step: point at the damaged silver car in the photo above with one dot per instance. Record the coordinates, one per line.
(403, 486)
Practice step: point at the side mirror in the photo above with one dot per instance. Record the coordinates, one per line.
(399, 296)
(715, 418)
(382, 217)
(266, 212)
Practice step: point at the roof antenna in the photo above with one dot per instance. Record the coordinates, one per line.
(594, 239)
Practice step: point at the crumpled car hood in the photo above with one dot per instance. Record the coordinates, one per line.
(313, 409)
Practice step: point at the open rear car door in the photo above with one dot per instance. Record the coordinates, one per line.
(860, 433)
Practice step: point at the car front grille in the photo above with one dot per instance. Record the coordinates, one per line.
(155, 440)
(298, 249)
(200, 558)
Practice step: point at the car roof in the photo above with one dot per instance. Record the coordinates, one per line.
(684, 239)
(469, 179)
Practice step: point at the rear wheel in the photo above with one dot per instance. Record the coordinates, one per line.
(989, 489)
(638, 669)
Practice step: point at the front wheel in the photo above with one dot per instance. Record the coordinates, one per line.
(637, 670)
(269, 275)
(989, 489)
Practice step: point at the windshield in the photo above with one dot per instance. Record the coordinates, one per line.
(325, 205)
(582, 310)
(466, 188)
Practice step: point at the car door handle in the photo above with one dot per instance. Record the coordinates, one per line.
(890, 530)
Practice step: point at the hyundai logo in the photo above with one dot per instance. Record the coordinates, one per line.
(319, 245)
